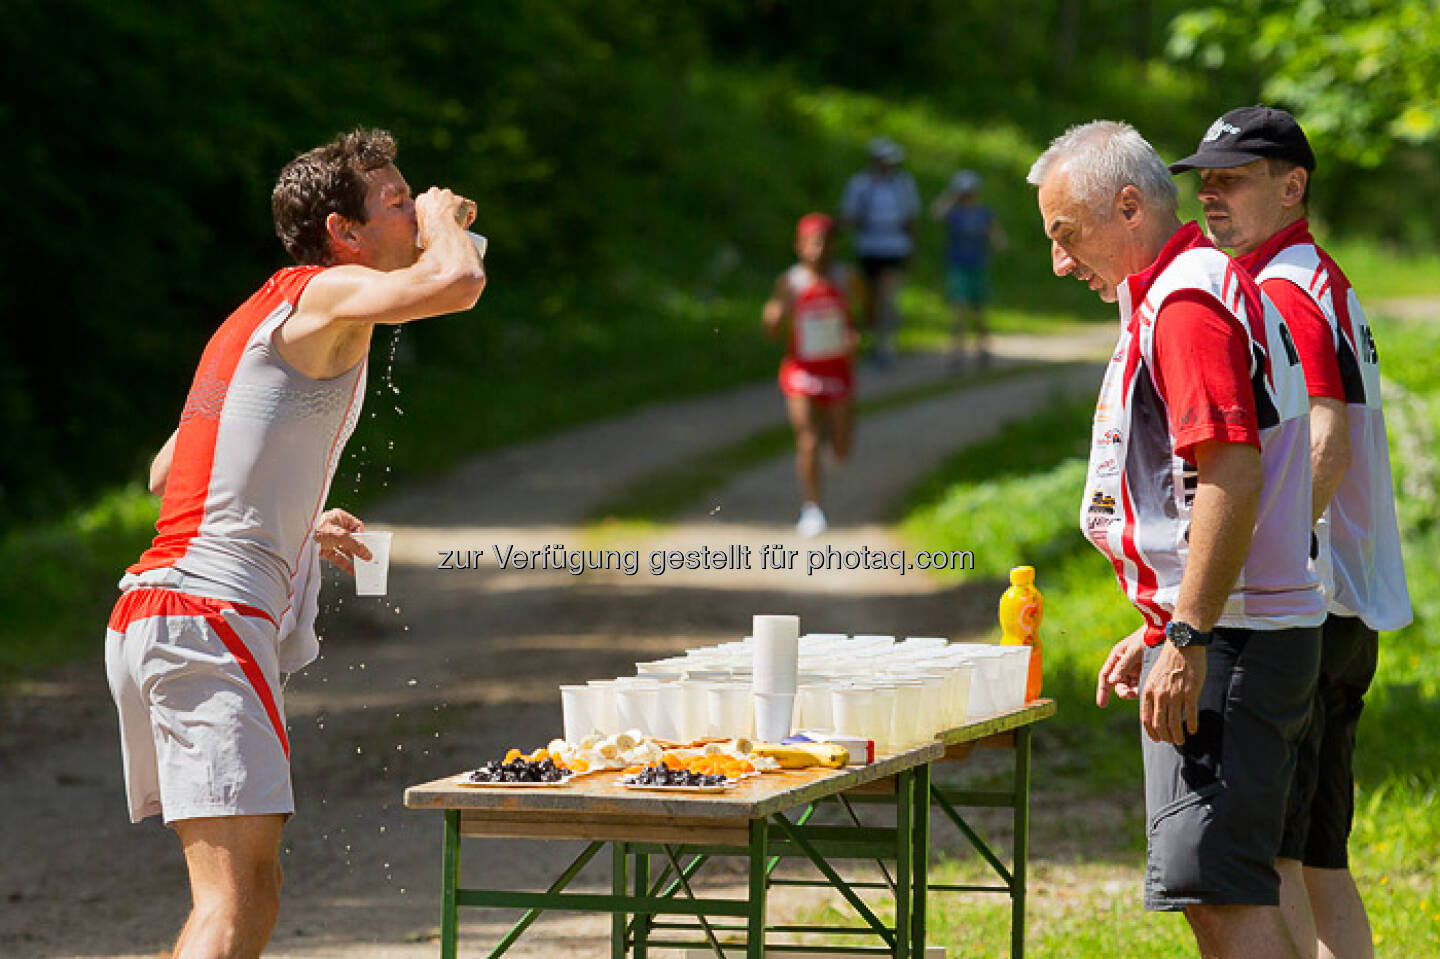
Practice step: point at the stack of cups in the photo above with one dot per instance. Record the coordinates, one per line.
(776, 673)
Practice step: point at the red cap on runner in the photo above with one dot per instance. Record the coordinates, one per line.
(813, 223)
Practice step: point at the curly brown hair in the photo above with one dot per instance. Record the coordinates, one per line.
(328, 179)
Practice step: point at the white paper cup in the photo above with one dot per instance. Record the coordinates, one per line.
(372, 575)
(728, 710)
(853, 708)
(579, 703)
(697, 720)
(774, 715)
(814, 709)
(776, 653)
(638, 706)
(670, 714)
(606, 712)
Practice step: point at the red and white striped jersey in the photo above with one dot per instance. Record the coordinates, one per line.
(820, 327)
(1359, 562)
(257, 448)
(1139, 493)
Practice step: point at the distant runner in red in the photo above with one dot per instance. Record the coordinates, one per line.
(224, 601)
(816, 376)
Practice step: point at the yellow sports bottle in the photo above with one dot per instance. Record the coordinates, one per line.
(1021, 607)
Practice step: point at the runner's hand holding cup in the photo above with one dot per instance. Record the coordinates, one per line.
(439, 202)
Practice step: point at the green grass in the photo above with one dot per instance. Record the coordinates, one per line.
(62, 581)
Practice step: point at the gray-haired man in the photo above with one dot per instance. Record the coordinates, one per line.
(1199, 495)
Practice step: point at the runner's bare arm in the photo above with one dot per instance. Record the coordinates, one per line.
(776, 307)
(448, 277)
(160, 465)
(330, 330)
(1329, 451)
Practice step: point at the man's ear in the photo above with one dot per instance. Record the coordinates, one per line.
(1129, 205)
(341, 231)
(1295, 182)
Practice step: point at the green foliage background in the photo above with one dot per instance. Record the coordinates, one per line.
(637, 165)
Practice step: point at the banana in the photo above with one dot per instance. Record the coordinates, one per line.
(804, 755)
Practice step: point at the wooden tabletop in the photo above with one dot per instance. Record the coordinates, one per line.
(602, 794)
(1031, 712)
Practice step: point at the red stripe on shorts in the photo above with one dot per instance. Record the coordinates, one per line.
(138, 604)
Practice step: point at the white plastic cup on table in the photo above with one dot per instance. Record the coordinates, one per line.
(638, 705)
(728, 710)
(774, 715)
(1017, 672)
(853, 709)
(882, 718)
(907, 714)
(697, 719)
(578, 704)
(776, 653)
(372, 575)
(670, 714)
(814, 710)
(606, 712)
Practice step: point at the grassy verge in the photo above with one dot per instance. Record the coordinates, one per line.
(1014, 501)
(62, 581)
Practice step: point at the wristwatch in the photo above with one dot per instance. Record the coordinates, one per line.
(1182, 634)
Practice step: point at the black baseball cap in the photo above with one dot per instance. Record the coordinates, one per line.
(1247, 134)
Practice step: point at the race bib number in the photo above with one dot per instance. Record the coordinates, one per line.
(821, 335)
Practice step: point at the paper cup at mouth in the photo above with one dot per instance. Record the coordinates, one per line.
(372, 575)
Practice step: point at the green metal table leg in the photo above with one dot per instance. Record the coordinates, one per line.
(530, 915)
(904, 854)
(1022, 842)
(921, 864)
(641, 882)
(755, 922)
(619, 879)
(449, 883)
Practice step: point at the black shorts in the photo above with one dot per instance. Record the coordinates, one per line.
(873, 266)
(1215, 807)
(1322, 795)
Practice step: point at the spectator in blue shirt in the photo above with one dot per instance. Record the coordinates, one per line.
(971, 233)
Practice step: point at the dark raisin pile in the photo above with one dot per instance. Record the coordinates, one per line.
(665, 776)
(519, 771)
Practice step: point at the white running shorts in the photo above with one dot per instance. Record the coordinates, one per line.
(202, 722)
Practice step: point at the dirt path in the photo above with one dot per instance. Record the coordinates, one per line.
(454, 666)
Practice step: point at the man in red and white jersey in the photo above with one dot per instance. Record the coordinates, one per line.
(1199, 495)
(1255, 165)
(224, 600)
(816, 376)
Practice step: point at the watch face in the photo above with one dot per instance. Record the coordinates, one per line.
(1179, 633)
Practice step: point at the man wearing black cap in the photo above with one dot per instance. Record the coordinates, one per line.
(1255, 165)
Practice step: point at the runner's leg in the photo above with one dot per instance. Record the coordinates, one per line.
(234, 865)
(807, 445)
(841, 428)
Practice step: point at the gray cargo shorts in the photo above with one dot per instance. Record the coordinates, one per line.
(1215, 807)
